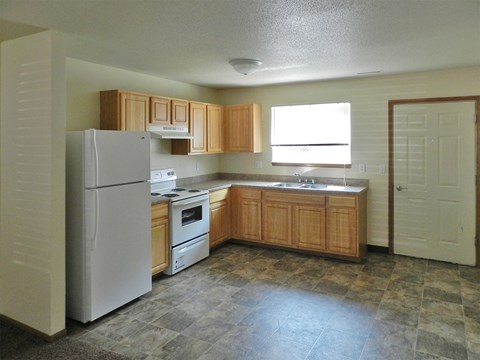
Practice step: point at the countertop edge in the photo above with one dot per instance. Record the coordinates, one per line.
(223, 184)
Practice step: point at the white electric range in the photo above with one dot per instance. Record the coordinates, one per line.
(189, 219)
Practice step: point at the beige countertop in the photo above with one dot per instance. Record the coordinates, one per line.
(158, 200)
(213, 185)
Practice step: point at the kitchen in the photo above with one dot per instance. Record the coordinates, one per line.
(370, 95)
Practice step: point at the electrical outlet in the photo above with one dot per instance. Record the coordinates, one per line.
(361, 168)
(258, 164)
(382, 168)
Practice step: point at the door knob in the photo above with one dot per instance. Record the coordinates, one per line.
(400, 188)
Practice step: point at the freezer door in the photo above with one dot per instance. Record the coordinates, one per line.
(116, 157)
(118, 256)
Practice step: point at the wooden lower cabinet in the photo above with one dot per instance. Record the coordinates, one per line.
(309, 227)
(342, 225)
(247, 214)
(220, 229)
(319, 222)
(160, 241)
(342, 231)
(294, 219)
(277, 223)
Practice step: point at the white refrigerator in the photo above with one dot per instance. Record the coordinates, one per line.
(108, 236)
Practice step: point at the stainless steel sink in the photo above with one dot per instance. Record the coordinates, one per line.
(294, 185)
(287, 185)
(313, 186)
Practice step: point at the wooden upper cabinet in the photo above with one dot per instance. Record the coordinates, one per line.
(198, 128)
(160, 113)
(243, 128)
(120, 110)
(179, 112)
(215, 129)
(166, 111)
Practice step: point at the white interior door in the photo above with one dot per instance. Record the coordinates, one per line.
(434, 167)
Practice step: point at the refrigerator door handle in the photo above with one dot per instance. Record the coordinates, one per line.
(95, 156)
(96, 219)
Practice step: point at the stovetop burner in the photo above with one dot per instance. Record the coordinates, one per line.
(163, 184)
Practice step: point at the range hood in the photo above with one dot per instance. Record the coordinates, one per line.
(169, 132)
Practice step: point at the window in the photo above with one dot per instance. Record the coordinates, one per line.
(317, 134)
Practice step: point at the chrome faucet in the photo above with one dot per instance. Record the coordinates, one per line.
(299, 177)
(306, 181)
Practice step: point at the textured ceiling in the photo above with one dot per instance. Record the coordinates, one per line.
(297, 40)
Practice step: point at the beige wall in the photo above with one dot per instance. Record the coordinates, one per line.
(85, 80)
(369, 97)
(32, 240)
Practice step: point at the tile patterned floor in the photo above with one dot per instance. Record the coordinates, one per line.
(252, 303)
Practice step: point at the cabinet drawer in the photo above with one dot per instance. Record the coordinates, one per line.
(343, 201)
(218, 195)
(159, 210)
(251, 194)
(294, 197)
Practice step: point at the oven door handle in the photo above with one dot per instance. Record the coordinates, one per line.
(193, 244)
(190, 201)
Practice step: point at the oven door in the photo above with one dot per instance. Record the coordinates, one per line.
(189, 218)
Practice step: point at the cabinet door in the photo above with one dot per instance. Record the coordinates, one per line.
(160, 241)
(251, 215)
(198, 128)
(159, 111)
(134, 112)
(243, 128)
(179, 112)
(160, 246)
(215, 131)
(277, 223)
(309, 227)
(219, 222)
(239, 128)
(342, 231)
(246, 214)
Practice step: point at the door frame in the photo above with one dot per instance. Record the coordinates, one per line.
(391, 169)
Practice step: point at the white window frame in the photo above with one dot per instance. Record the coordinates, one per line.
(316, 135)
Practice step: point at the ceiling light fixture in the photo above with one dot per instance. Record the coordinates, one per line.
(245, 66)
